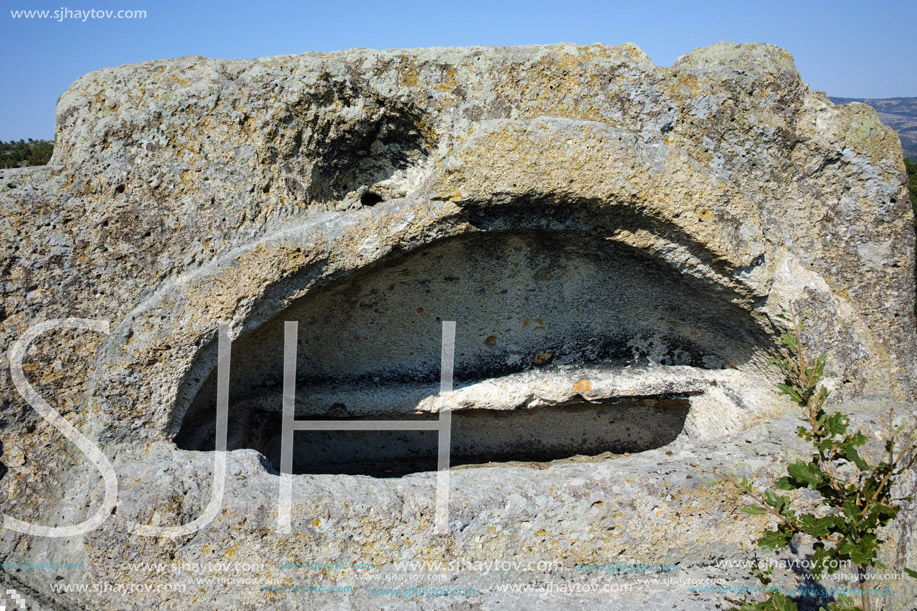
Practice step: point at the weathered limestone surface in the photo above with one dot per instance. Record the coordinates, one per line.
(601, 229)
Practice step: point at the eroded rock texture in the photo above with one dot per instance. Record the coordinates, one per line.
(613, 239)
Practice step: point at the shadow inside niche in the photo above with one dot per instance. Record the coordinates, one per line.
(365, 152)
(479, 436)
(523, 301)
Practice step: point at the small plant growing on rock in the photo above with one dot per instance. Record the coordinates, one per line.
(854, 500)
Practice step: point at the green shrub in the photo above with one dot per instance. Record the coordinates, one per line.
(854, 493)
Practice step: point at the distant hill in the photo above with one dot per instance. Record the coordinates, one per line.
(900, 114)
(23, 153)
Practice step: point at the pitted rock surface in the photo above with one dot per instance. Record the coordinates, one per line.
(607, 234)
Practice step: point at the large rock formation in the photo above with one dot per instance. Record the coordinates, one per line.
(614, 240)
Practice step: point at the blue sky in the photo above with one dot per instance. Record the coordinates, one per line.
(852, 49)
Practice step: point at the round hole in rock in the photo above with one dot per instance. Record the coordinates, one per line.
(370, 199)
(535, 311)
